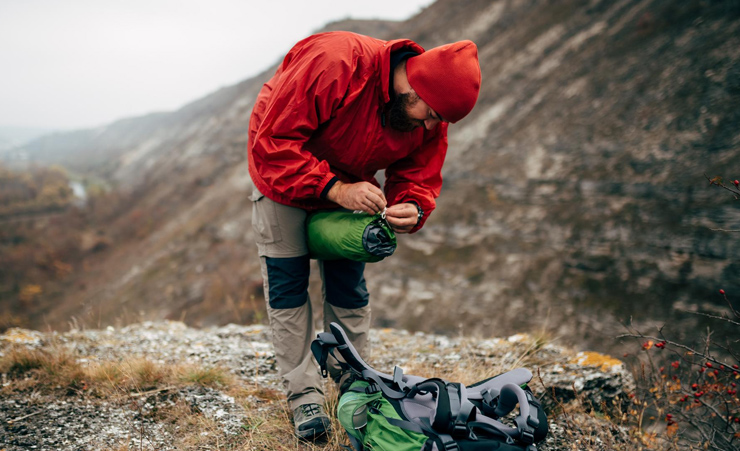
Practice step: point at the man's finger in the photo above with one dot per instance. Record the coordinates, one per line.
(373, 206)
(377, 201)
(368, 207)
(378, 192)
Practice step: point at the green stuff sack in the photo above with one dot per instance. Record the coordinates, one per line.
(339, 234)
(365, 417)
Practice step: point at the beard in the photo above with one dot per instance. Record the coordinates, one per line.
(398, 116)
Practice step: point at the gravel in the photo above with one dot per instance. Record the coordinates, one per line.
(30, 420)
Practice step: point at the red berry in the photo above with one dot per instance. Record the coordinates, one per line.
(721, 291)
(697, 394)
(675, 364)
(733, 384)
(737, 420)
(697, 401)
(735, 366)
(716, 372)
(701, 370)
(736, 182)
(708, 364)
(694, 386)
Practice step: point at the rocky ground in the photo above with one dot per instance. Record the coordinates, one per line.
(73, 421)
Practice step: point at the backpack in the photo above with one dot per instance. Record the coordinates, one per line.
(338, 234)
(401, 412)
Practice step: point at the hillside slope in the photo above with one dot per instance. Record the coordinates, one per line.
(573, 199)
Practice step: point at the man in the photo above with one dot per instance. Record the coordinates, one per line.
(340, 107)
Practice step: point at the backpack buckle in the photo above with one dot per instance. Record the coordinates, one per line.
(372, 389)
(451, 446)
(527, 437)
(459, 429)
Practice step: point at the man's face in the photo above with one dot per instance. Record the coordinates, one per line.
(408, 111)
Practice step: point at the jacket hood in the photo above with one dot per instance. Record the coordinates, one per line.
(384, 61)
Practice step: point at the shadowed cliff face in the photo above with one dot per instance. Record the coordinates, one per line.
(573, 198)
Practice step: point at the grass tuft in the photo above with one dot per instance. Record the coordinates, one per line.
(214, 377)
(53, 368)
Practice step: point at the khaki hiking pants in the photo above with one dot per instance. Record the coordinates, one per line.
(281, 242)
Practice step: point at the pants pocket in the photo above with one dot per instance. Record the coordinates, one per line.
(264, 219)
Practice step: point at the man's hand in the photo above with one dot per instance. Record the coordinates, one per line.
(358, 196)
(402, 217)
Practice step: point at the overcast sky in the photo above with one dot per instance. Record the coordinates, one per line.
(84, 63)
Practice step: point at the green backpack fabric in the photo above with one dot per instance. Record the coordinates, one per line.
(374, 431)
(339, 234)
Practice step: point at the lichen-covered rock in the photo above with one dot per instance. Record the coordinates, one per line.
(597, 378)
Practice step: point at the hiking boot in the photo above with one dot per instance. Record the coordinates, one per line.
(311, 422)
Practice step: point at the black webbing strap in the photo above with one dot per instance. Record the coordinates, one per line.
(445, 442)
(461, 409)
(356, 444)
(321, 347)
(403, 424)
(438, 388)
(387, 391)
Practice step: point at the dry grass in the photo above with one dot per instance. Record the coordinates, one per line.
(57, 372)
(47, 371)
(205, 376)
(55, 368)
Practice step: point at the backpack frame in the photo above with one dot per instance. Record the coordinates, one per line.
(451, 415)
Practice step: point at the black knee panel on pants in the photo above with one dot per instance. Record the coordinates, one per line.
(287, 279)
(344, 284)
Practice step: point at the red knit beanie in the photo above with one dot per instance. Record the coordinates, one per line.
(447, 78)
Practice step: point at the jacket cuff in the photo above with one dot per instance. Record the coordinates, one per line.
(329, 185)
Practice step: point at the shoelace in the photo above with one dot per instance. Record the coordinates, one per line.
(310, 410)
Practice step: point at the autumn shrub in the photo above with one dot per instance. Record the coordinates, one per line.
(686, 396)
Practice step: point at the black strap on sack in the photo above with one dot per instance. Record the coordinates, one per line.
(321, 347)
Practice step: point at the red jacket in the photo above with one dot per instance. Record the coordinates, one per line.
(319, 117)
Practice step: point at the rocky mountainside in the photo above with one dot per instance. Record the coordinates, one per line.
(96, 406)
(574, 195)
